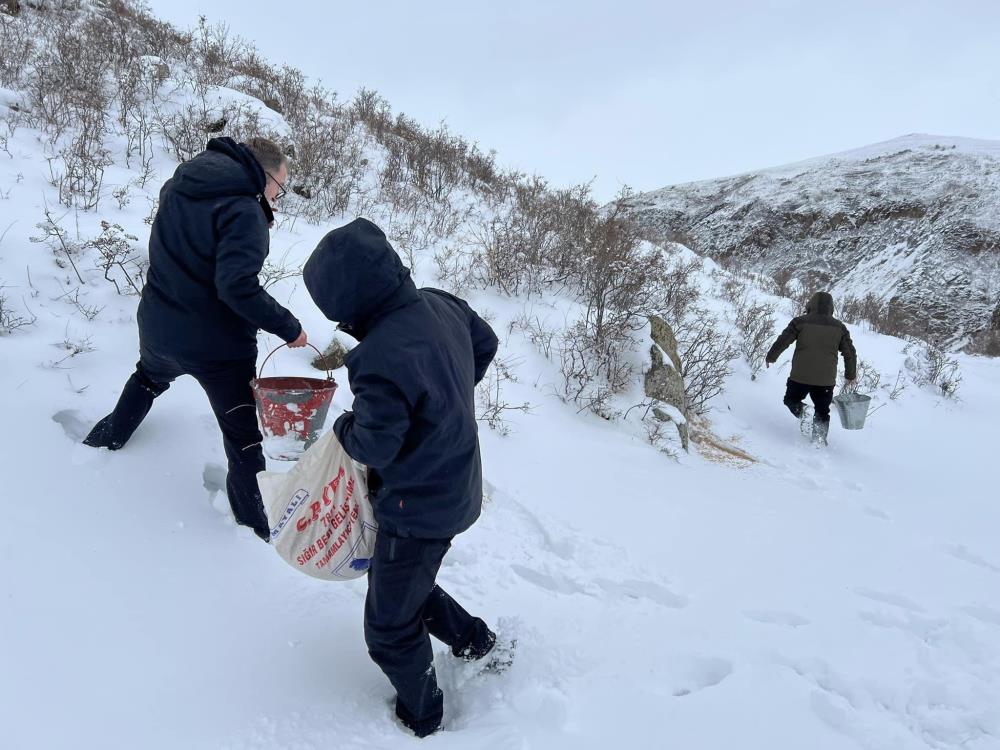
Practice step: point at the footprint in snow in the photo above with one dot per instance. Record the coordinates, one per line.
(213, 476)
(700, 674)
(73, 424)
(776, 617)
(896, 600)
(635, 589)
(77, 428)
(878, 513)
(555, 583)
(963, 553)
(984, 614)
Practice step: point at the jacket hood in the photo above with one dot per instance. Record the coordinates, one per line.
(225, 168)
(820, 303)
(354, 276)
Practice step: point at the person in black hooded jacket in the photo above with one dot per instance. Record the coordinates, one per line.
(413, 424)
(202, 305)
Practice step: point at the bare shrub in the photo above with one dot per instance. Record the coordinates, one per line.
(882, 316)
(500, 241)
(279, 269)
(869, 379)
(541, 336)
(11, 319)
(930, 365)
(592, 371)
(329, 165)
(214, 52)
(534, 238)
(706, 354)
(78, 171)
(122, 196)
(619, 280)
(453, 267)
(17, 45)
(184, 132)
(68, 73)
(785, 282)
(660, 433)
(493, 408)
(755, 323)
(57, 238)
(869, 309)
(620, 277)
(154, 207)
(89, 312)
(899, 387)
(435, 162)
(8, 126)
(74, 346)
(678, 289)
(119, 259)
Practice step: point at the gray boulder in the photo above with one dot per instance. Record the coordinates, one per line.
(664, 382)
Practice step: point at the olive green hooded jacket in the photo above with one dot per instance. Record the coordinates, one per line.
(818, 337)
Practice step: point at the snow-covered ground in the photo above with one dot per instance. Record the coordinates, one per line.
(814, 599)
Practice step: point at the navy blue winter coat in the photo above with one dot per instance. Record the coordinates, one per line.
(203, 300)
(413, 375)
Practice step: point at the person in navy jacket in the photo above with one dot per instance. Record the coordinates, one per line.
(203, 304)
(420, 354)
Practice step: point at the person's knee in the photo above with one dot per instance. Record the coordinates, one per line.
(148, 381)
(391, 644)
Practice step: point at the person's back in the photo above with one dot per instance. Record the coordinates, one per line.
(202, 298)
(437, 468)
(819, 338)
(413, 423)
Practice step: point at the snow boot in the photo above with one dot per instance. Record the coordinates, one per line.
(820, 430)
(133, 405)
(806, 421)
(496, 655)
(420, 727)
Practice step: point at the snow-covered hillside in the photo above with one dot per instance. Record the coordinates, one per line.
(913, 221)
(847, 598)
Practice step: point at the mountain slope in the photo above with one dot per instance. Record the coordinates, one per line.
(914, 221)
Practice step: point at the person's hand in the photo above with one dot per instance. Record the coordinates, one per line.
(301, 341)
(851, 385)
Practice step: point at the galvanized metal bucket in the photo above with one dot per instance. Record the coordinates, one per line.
(852, 408)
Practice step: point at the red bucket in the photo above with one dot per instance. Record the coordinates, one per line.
(292, 411)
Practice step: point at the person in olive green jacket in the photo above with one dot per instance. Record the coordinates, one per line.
(818, 338)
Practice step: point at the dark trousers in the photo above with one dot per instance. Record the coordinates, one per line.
(227, 385)
(404, 607)
(821, 395)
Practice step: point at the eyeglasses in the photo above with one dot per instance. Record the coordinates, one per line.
(281, 186)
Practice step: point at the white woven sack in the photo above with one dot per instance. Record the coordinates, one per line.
(320, 517)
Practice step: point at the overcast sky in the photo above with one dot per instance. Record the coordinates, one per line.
(646, 94)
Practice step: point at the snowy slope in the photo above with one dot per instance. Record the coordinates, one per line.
(839, 599)
(914, 221)
(823, 600)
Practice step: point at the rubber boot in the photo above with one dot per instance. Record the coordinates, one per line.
(820, 430)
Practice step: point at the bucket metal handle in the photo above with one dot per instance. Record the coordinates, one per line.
(329, 373)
